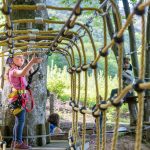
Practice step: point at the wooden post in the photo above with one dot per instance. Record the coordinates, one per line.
(2, 77)
(5, 131)
(40, 130)
(52, 97)
(147, 109)
(47, 132)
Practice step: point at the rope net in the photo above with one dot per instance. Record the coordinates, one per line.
(64, 41)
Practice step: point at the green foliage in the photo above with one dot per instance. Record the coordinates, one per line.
(54, 18)
(56, 86)
(55, 82)
(64, 97)
(133, 1)
(112, 65)
(56, 59)
(58, 81)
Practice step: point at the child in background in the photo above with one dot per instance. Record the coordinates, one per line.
(16, 77)
(128, 79)
(53, 119)
(126, 60)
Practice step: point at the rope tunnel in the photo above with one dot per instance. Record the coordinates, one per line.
(67, 42)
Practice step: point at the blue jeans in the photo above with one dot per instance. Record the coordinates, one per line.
(19, 125)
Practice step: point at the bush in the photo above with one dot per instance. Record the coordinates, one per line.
(59, 83)
(56, 86)
(55, 82)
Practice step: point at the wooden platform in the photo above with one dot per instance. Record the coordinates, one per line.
(54, 145)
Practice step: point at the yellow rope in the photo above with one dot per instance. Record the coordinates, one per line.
(141, 95)
(74, 97)
(72, 62)
(83, 131)
(34, 7)
(97, 103)
(77, 102)
(115, 135)
(106, 92)
(104, 131)
(120, 51)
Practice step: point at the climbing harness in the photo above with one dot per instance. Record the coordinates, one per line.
(22, 95)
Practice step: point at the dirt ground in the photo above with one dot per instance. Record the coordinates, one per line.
(127, 143)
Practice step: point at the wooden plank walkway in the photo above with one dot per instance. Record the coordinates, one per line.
(54, 145)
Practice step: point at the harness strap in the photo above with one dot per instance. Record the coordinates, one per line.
(31, 76)
(25, 97)
(32, 101)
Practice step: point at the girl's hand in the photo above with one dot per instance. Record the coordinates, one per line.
(36, 60)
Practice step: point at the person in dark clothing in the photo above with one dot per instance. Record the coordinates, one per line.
(128, 79)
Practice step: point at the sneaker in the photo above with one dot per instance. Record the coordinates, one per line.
(12, 145)
(21, 146)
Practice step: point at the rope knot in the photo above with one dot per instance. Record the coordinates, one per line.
(82, 110)
(59, 40)
(117, 39)
(136, 86)
(75, 108)
(71, 103)
(139, 11)
(117, 105)
(69, 70)
(103, 54)
(102, 102)
(84, 67)
(7, 12)
(78, 70)
(95, 109)
(93, 66)
(73, 68)
(78, 11)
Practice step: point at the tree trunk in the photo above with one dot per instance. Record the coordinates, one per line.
(111, 33)
(147, 70)
(133, 47)
(111, 30)
(39, 84)
(133, 105)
